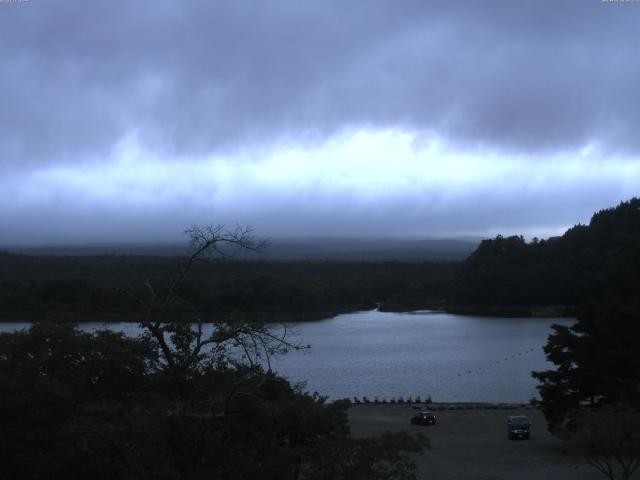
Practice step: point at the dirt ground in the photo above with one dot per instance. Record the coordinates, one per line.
(472, 444)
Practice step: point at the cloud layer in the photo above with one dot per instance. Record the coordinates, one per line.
(230, 88)
(196, 76)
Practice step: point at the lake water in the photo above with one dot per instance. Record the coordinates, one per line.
(372, 353)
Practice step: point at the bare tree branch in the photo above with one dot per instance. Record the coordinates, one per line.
(186, 346)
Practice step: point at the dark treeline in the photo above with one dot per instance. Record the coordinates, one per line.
(591, 398)
(589, 263)
(103, 406)
(91, 286)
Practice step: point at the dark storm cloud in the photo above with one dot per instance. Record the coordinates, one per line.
(189, 78)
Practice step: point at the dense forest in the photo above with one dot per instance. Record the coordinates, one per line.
(589, 263)
(86, 287)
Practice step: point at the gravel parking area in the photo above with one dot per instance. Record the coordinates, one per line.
(473, 444)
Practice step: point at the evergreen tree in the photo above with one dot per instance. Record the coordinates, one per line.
(596, 359)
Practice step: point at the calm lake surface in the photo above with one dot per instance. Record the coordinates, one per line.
(450, 357)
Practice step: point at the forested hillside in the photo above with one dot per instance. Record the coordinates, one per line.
(85, 287)
(589, 263)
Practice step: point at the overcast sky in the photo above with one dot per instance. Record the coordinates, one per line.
(131, 120)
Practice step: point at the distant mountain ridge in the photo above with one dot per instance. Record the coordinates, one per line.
(370, 249)
(304, 249)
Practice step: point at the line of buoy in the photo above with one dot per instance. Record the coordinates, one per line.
(497, 362)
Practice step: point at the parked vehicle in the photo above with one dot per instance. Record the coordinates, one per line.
(423, 418)
(518, 426)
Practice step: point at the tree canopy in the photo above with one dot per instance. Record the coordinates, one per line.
(608, 439)
(596, 362)
(589, 263)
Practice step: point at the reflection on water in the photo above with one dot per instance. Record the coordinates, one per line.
(450, 357)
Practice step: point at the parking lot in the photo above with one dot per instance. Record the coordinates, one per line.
(473, 444)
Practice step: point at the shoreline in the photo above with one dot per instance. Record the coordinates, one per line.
(549, 311)
(515, 311)
(179, 317)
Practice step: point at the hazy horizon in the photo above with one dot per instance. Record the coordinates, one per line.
(281, 249)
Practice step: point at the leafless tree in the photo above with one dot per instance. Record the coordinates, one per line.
(185, 346)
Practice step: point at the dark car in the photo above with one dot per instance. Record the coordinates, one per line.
(423, 418)
(518, 426)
